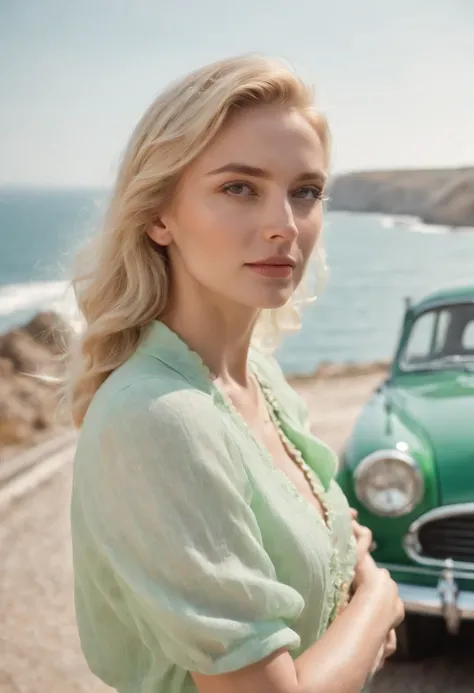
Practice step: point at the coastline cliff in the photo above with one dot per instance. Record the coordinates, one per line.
(438, 196)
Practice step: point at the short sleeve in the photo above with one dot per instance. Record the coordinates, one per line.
(169, 509)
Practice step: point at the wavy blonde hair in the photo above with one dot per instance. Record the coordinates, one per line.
(122, 283)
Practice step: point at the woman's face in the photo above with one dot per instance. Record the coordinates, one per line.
(247, 213)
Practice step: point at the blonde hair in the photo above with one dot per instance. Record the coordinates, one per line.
(123, 283)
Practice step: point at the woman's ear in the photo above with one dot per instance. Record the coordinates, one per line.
(159, 233)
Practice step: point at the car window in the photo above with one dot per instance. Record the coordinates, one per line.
(468, 336)
(420, 341)
(440, 336)
(444, 320)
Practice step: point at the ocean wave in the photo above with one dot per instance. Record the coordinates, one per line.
(17, 300)
(17, 297)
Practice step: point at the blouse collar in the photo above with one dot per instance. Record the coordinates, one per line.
(163, 344)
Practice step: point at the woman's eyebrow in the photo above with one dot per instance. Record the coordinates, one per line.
(244, 169)
(256, 172)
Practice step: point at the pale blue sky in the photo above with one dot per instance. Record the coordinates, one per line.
(394, 78)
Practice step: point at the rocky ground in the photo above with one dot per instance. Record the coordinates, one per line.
(39, 649)
(30, 360)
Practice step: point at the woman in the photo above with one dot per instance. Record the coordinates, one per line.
(213, 550)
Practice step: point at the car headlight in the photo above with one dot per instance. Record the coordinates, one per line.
(389, 483)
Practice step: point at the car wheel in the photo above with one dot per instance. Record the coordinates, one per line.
(419, 637)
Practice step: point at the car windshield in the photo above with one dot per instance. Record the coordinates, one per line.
(441, 338)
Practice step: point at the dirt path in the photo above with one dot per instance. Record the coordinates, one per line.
(39, 650)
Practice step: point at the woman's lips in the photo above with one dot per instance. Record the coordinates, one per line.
(269, 270)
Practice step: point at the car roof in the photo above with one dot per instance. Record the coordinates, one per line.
(454, 293)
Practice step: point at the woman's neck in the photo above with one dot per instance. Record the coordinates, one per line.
(220, 332)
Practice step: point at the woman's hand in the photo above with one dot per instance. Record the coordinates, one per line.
(387, 650)
(377, 584)
(365, 545)
(390, 646)
(363, 537)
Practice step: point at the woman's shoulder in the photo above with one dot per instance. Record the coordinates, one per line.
(159, 426)
(154, 394)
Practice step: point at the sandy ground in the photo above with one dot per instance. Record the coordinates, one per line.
(39, 650)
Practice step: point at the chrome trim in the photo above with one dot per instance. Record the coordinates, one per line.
(442, 512)
(448, 591)
(389, 454)
(429, 601)
(385, 454)
(412, 544)
(445, 600)
(420, 570)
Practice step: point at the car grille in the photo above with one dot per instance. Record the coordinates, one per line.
(448, 537)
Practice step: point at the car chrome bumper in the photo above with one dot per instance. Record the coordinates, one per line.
(427, 600)
(445, 600)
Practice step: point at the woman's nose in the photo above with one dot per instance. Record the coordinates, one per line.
(280, 220)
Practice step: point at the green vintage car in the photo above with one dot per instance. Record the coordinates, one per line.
(408, 467)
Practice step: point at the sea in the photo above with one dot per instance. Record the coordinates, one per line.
(375, 262)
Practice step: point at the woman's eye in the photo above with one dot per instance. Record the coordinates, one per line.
(238, 189)
(309, 192)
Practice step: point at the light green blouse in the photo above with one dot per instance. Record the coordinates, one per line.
(192, 551)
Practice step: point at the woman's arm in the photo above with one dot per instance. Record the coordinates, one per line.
(340, 661)
(364, 540)
(206, 593)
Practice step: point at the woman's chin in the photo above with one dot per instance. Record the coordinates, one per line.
(275, 299)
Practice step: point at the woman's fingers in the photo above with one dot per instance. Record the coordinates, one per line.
(363, 537)
(390, 644)
(387, 650)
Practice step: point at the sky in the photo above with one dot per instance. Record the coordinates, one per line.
(395, 79)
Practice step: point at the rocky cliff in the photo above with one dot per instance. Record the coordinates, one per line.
(29, 402)
(444, 196)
